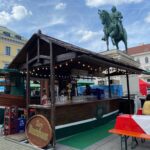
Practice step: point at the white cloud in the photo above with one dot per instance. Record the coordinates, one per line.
(18, 13)
(56, 21)
(97, 3)
(60, 6)
(84, 38)
(5, 18)
(136, 36)
(6, 5)
(86, 35)
(147, 18)
(53, 21)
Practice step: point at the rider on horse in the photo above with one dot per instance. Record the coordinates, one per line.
(113, 27)
(116, 17)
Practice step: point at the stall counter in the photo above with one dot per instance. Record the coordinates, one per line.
(72, 111)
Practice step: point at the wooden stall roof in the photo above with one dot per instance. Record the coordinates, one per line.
(61, 47)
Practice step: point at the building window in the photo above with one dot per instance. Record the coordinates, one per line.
(7, 50)
(6, 65)
(6, 34)
(146, 60)
(18, 37)
(138, 60)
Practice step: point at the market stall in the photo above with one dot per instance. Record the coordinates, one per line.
(58, 65)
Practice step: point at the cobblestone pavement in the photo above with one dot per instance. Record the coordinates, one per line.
(110, 143)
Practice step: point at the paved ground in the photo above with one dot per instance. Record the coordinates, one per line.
(9, 145)
(110, 143)
(6, 144)
(113, 143)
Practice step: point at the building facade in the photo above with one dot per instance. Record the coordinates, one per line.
(141, 54)
(10, 44)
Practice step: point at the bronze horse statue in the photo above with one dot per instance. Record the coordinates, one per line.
(112, 30)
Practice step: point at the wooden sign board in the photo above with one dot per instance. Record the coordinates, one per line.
(65, 56)
(38, 131)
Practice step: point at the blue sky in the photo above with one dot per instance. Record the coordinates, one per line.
(76, 21)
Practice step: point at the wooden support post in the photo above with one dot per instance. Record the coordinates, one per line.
(52, 79)
(109, 88)
(128, 90)
(27, 85)
(38, 50)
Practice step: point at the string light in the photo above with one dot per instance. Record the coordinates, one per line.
(66, 63)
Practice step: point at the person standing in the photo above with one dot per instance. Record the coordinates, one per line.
(146, 106)
(88, 90)
(44, 99)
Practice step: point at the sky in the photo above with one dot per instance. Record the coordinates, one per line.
(76, 21)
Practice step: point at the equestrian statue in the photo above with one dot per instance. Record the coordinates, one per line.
(113, 27)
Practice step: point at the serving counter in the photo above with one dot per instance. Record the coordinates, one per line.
(73, 111)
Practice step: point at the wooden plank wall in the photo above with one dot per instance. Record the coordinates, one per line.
(80, 111)
(11, 100)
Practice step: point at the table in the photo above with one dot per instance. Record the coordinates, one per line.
(136, 126)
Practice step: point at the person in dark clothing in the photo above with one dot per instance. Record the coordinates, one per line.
(148, 97)
(88, 90)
